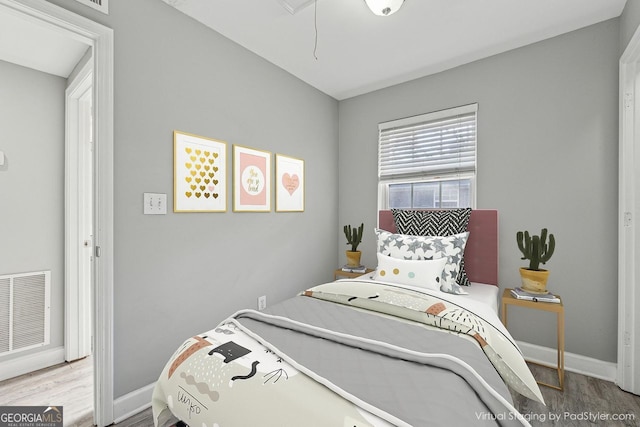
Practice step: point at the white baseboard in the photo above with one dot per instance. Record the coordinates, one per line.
(132, 403)
(31, 362)
(572, 362)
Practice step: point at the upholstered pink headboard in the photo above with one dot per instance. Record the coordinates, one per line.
(481, 251)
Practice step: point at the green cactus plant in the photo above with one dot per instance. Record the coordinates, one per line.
(536, 248)
(354, 236)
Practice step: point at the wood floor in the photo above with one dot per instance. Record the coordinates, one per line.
(583, 399)
(70, 385)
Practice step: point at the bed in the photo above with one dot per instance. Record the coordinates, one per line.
(366, 352)
(480, 253)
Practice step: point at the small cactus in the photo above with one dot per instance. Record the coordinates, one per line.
(354, 236)
(535, 248)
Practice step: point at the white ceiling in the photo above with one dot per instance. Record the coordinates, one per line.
(358, 52)
(26, 42)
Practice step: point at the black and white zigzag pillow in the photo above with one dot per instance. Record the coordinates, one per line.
(444, 222)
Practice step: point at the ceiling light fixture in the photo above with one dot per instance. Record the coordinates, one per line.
(384, 7)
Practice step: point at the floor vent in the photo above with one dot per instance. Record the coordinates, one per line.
(101, 5)
(24, 311)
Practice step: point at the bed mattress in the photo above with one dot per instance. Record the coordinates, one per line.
(481, 292)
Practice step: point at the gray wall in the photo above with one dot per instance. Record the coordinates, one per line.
(550, 107)
(32, 182)
(179, 274)
(629, 21)
(547, 157)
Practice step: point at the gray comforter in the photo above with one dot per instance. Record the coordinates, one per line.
(421, 390)
(347, 354)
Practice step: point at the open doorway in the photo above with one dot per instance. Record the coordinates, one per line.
(42, 22)
(47, 315)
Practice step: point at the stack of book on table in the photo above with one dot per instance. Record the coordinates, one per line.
(356, 269)
(519, 293)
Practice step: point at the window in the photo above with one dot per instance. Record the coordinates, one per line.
(428, 161)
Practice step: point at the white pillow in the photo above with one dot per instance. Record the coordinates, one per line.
(404, 246)
(421, 273)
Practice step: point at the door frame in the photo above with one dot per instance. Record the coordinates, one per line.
(628, 374)
(100, 39)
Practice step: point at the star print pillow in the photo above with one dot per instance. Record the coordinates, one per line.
(402, 246)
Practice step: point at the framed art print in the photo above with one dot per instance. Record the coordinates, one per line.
(199, 174)
(289, 184)
(251, 180)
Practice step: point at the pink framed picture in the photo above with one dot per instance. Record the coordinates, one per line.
(251, 180)
(289, 184)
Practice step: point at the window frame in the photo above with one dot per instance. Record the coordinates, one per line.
(425, 177)
(383, 186)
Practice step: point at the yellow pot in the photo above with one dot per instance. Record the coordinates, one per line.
(534, 281)
(353, 258)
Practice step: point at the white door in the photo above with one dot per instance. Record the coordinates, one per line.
(628, 377)
(85, 286)
(79, 215)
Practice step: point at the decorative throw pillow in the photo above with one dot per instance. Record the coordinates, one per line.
(421, 273)
(402, 246)
(445, 222)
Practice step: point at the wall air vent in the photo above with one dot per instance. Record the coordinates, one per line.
(295, 6)
(101, 5)
(24, 311)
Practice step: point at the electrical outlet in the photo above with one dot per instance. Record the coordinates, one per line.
(262, 302)
(155, 204)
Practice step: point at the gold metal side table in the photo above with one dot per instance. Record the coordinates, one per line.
(347, 274)
(558, 308)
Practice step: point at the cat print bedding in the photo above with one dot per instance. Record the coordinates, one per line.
(348, 353)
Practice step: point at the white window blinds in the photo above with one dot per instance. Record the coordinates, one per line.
(431, 144)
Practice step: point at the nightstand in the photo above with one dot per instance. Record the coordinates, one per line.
(339, 273)
(558, 308)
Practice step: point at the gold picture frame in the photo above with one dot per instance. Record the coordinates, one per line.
(289, 184)
(251, 180)
(199, 173)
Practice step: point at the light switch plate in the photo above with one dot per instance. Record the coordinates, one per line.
(155, 204)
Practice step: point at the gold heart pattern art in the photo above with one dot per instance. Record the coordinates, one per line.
(200, 173)
(201, 161)
(290, 183)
